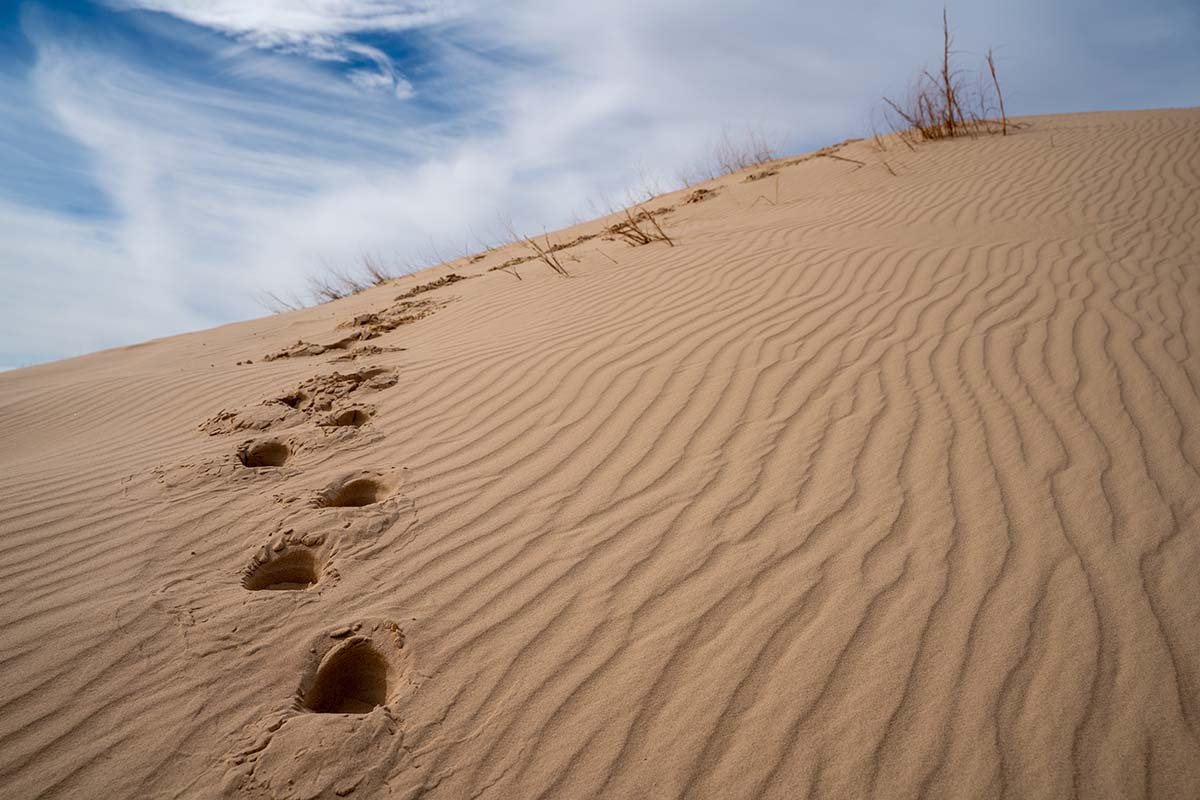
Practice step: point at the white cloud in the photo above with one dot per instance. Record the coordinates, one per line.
(384, 76)
(287, 20)
(69, 290)
(320, 29)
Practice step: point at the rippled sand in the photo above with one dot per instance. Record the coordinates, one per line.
(874, 485)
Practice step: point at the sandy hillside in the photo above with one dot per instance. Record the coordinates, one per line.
(874, 485)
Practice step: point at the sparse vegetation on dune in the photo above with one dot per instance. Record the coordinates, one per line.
(944, 105)
(640, 228)
(333, 283)
(730, 155)
(546, 255)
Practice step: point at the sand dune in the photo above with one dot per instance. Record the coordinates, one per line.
(872, 486)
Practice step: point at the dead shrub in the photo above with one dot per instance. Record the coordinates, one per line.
(944, 105)
(544, 253)
(638, 229)
(730, 155)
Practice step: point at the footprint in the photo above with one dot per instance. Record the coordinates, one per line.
(294, 399)
(293, 567)
(353, 493)
(268, 453)
(321, 392)
(303, 348)
(340, 733)
(405, 311)
(367, 350)
(358, 674)
(267, 415)
(353, 679)
(350, 417)
(315, 395)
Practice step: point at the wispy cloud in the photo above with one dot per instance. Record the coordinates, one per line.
(274, 22)
(320, 29)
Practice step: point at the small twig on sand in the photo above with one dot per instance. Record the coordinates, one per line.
(842, 158)
(511, 270)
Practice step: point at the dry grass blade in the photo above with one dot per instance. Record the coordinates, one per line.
(334, 285)
(658, 229)
(277, 304)
(375, 270)
(767, 199)
(947, 78)
(991, 62)
(546, 255)
(730, 155)
(843, 158)
(539, 253)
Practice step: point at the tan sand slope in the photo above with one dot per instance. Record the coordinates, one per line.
(873, 486)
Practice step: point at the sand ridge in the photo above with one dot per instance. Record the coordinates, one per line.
(873, 485)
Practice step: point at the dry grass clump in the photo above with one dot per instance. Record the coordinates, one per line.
(546, 256)
(753, 150)
(730, 155)
(944, 105)
(638, 229)
(332, 284)
(537, 252)
(277, 303)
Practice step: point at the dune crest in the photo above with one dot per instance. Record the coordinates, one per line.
(883, 481)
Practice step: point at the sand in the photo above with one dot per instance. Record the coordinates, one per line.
(873, 485)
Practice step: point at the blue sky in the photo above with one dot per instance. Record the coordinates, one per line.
(164, 161)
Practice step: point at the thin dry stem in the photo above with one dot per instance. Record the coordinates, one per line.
(991, 62)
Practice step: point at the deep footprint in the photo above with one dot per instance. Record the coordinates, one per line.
(264, 454)
(294, 400)
(294, 568)
(356, 493)
(351, 417)
(353, 679)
